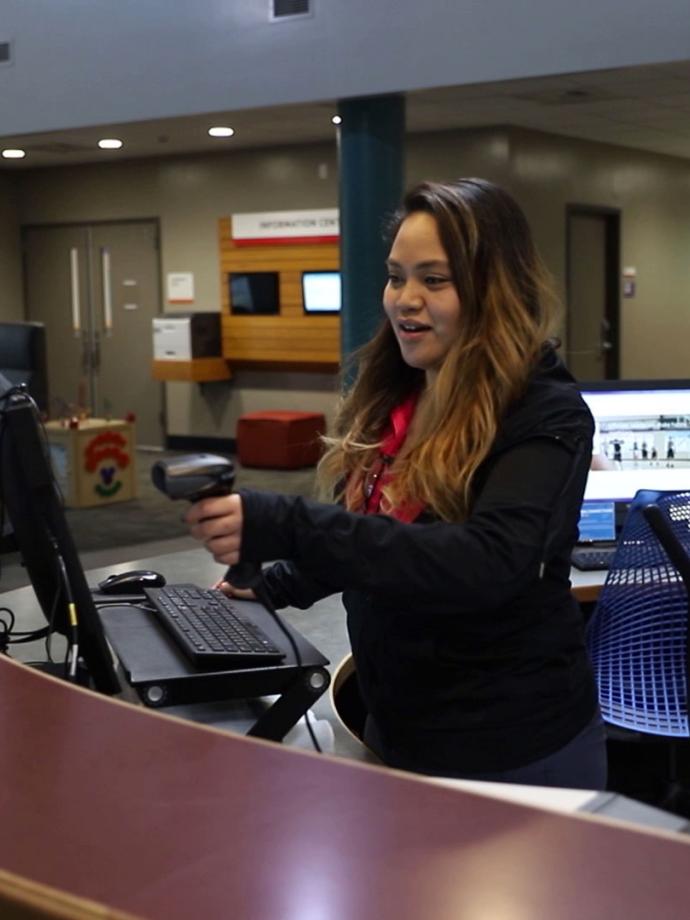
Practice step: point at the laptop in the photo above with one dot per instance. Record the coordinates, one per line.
(597, 539)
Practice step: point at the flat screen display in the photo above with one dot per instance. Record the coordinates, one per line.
(41, 534)
(321, 292)
(597, 522)
(641, 439)
(254, 293)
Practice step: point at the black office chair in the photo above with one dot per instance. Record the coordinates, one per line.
(23, 358)
(638, 634)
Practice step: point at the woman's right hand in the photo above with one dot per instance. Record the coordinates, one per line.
(245, 594)
(217, 523)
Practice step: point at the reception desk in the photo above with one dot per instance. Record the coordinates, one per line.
(160, 818)
(112, 810)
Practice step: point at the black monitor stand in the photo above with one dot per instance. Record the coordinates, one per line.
(162, 676)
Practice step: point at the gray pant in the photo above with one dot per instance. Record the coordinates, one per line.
(580, 764)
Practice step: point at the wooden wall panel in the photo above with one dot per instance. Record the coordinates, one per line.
(291, 337)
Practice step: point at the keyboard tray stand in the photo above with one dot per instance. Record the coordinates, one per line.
(161, 676)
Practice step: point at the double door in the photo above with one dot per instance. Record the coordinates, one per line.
(96, 288)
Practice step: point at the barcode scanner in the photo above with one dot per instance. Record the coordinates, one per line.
(197, 476)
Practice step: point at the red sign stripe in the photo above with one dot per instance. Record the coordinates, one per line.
(286, 240)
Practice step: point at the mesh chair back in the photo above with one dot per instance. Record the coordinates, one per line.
(638, 635)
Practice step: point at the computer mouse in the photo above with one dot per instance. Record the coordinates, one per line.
(132, 582)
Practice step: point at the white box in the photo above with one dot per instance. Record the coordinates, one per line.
(172, 338)
(185, 336)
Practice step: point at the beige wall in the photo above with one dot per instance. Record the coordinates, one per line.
(189, 194)
(545, 172)
(653, 195)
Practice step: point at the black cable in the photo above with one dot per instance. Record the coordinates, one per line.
(51, 625)
(73, 650)
(6, 629)
(72, 656)
(30, 636)
(102, 605)
(12, 636)
(10, 614)
(264, 599)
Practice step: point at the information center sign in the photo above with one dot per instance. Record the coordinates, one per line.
(286, 227)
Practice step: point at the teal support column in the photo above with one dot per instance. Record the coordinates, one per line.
(372, 135)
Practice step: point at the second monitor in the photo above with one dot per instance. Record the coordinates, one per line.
(642, 437)
(321, 292)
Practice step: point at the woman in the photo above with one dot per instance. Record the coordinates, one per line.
(458, 462)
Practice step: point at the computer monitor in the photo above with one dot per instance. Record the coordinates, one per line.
(23, 358)
(30, 500)
(641, 440)
(597, 521)
(254, 293)
(321, 292)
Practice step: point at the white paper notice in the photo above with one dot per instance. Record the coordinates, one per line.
(180, 287)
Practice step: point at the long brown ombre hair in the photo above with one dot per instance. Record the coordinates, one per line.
(505, 318)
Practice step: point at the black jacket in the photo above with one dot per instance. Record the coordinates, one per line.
(468, 644)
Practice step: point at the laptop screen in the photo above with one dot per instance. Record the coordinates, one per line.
(597, 521)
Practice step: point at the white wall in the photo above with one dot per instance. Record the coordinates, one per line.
(89, 62)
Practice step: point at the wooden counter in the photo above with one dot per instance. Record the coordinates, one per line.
(164, 819)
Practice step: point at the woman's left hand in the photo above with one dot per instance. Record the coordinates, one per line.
(217, 523)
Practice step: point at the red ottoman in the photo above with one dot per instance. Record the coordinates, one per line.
(280, 440)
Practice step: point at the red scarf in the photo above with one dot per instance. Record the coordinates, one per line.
(400, 420)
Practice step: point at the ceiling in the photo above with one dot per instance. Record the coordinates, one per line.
(647, 108)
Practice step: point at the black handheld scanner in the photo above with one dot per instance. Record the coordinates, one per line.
(194, 476)
(197, 476)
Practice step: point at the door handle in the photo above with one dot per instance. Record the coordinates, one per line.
(106, 292)
(85, 357)
(96, 353)
(605, 344)
(74, 290)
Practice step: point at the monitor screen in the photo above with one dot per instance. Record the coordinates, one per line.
(641, 439)
(32, 505)
(321, 292)
(597, 522)
(254, 293)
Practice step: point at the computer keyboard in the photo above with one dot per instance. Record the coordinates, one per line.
(589, 559)
(209, 629)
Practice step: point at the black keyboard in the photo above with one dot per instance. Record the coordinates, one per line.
(589, 559)
(209, 629)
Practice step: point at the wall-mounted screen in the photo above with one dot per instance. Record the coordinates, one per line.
(641, 439)
(254, 293)
(321, 292)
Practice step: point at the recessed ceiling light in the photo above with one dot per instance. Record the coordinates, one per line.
(110, 143)
(221, 131)
(337, 120)
(13, 154)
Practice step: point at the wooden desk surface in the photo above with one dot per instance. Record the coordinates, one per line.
(166, 819)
